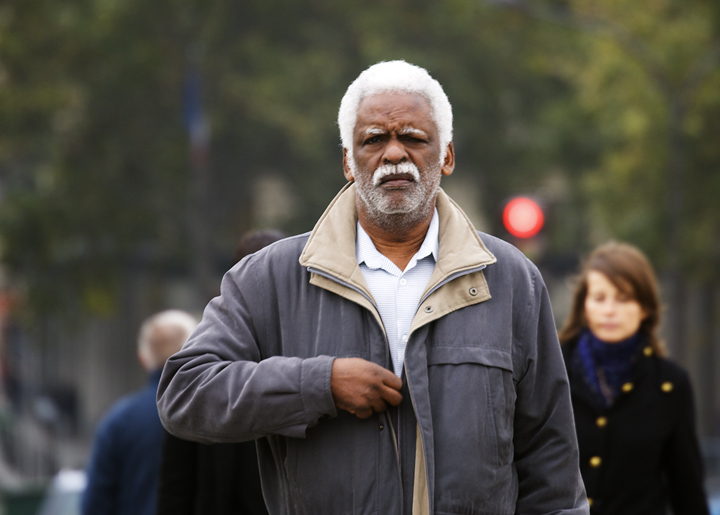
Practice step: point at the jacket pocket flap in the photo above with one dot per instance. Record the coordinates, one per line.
(481, 356)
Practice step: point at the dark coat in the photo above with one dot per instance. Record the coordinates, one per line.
(123, 467)
(219, 479)
(641, 454)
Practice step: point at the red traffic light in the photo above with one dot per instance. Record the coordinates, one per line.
(523, 217)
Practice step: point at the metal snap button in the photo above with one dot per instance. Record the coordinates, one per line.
(428, 309)
(473, 291)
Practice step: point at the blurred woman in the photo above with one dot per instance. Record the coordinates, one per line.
(633, 408)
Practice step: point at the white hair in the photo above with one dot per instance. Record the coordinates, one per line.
(395, 77)
(156, 347)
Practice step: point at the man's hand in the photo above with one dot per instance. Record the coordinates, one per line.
(362, 387)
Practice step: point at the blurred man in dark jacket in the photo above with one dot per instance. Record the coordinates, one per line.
(123, 468)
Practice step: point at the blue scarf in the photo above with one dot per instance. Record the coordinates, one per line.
(607, 366)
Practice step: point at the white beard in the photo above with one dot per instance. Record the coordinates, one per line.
(397, 210)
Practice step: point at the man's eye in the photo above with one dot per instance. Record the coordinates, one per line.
(372, 140)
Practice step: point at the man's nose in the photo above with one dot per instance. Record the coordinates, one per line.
(395, 152)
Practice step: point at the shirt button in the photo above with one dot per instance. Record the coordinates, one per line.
(403, 281)
(405, 338)
(595, 461)
(382, 427)
(601, 421)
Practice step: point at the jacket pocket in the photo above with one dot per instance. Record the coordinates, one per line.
(333, 469)
(472, 398)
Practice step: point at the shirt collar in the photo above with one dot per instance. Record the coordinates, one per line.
(367, 253)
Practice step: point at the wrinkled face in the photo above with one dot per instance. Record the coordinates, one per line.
(611, 315)
(396, 162)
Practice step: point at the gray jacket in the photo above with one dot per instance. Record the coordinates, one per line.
(485, 426)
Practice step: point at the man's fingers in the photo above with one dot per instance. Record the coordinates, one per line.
(392, 380)
(387, 396)
(364, 413)
(378, 405)
(363, 387)
(391, 396)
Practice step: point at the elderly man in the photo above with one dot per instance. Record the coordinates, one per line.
(394, 360)
(123, 469)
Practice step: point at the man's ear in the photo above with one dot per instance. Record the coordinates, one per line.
(346, 167)
(449, 162)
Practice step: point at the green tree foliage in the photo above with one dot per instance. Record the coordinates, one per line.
(646, 80)
(94, 155)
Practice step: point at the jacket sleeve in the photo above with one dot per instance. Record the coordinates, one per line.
(218, 389)
(546, 451)
(682, 461)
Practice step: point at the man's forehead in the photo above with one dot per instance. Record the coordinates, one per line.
(409, 111)
(385, 99)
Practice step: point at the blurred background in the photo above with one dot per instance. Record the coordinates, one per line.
(139, 140)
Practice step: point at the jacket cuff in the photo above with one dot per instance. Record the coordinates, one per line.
(315, 389)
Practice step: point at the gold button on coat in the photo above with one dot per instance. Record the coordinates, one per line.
(667, 387)
(647, 351)
(601, 421)
(627, 387)
(595, 461)
(590, 501)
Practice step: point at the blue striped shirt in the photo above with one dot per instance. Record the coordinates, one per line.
(397, 292)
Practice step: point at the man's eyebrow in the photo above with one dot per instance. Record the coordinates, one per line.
(374, 131)
(412, 130)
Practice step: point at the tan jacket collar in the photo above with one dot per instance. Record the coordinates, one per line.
(331, 246)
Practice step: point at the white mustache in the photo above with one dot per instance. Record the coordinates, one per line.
(385, 170)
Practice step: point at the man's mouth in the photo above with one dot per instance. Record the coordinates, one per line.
(397, 180)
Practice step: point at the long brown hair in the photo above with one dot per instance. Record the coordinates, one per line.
(630, 272)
